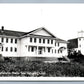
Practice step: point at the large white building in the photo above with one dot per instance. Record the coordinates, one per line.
(77, 43)
(37, 43)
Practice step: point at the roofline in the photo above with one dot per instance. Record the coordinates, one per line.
(9, 36)
(72, 39)
(38, 30)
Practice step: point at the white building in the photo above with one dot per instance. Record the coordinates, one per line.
(77, 43)
(36, 43)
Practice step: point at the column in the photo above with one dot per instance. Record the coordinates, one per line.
(37, 50)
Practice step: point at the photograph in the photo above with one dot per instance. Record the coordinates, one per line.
(43, 41)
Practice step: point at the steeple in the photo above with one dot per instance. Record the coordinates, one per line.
(81, 33)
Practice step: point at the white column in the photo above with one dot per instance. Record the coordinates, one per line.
(37, 50)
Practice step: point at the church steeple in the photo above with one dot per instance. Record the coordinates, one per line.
(81, 33)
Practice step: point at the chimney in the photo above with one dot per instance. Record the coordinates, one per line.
(2, 28)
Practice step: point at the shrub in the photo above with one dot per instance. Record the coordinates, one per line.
(1, 58)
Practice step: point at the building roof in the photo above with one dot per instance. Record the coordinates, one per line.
(38, 29)
(31, 33)
(11, 33)
(61, 40)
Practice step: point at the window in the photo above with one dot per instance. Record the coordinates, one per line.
(15, 49)
(6, 40)
(11, 49)
(43, 40)
(39, 40)
(61, 51)
(52, 51)
(35, 40)
(51, 41)
(55, 43)
(11, 40)
(6, 48)
(2, 40)
(2, 48)
(55, 50)
(79, 39)
(28, 48)
(48, 49)
(58, 51)
(79, 45)
(32, 49)
(15, 40)
(30, 39)
(58, 44)
(48, 41)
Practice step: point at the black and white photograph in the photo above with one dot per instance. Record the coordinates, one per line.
(41, 40)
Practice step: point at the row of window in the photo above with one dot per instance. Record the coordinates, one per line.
(7, 40)
(53, 51)
(40, 41)
(81, 39)
(11, 49)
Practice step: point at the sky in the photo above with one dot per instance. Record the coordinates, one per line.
(63, 20)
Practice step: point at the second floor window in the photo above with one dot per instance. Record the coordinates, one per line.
(55, 43)
(58, 44)
(39, 40)
(43, 40)
(6, 40)
(48, 41)
(51, 41)
(2, 40)
(79, 39)
(11, 40)
(35, 40)
(30, 39)
(15, 40)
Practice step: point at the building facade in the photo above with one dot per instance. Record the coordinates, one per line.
(77, 43)
(37, 43)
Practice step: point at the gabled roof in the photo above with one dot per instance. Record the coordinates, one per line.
(37, 30)
(11, 33)
(31, 33)
(61, 40)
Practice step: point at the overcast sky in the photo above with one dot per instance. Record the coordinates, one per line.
(63, 20)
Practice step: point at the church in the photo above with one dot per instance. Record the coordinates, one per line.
(36, 43)
(77, 44)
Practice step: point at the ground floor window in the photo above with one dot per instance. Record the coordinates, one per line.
(48, 49)
(2, 48)
(32, 49)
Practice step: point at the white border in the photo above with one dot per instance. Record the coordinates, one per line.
(42, 79)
